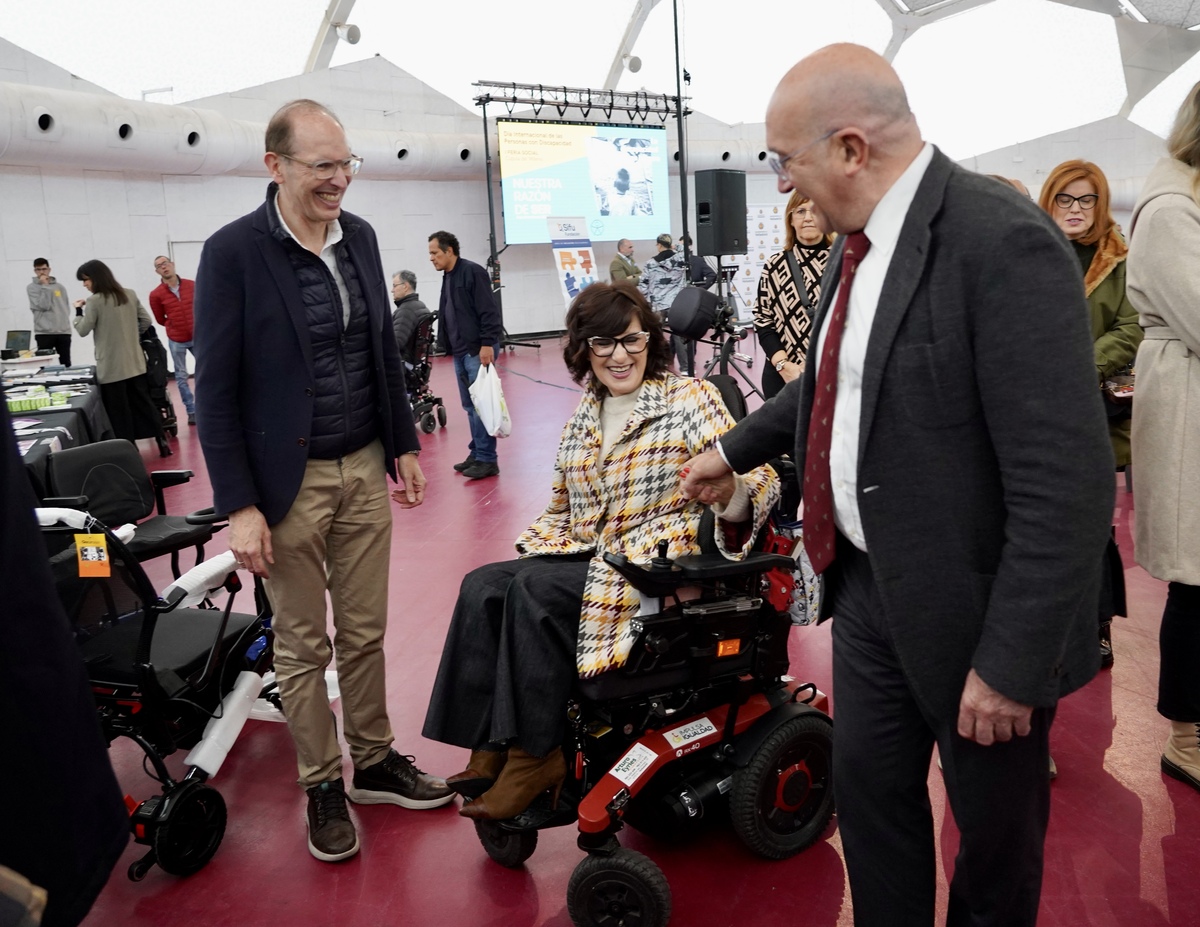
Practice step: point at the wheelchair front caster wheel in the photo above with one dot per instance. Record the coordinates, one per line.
(139, 868)
(783, 798)
(189, 828)
(508, 848)
(428, 425)
(441, 416)
(625, 888)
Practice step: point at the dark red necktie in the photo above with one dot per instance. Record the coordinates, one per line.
(819, 532)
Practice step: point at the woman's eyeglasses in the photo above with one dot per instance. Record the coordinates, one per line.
(633, 343)
(1066, 201)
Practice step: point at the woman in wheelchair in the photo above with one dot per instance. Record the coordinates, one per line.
(524, 629)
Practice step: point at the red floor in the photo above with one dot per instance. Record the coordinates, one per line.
(1124, 842)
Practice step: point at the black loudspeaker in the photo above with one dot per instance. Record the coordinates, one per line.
(720, 212)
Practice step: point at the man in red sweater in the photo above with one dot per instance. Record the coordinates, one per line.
(171, 303)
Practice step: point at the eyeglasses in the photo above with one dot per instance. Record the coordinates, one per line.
(633, 343)
(159, 265)
(1066, 201)
(779, 165)
(324, 170)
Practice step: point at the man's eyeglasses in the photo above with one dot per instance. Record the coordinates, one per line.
(1066, 201)
(633, 343)
(324, 170)
(779, 165)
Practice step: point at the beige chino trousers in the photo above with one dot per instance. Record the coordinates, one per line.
(336, 536)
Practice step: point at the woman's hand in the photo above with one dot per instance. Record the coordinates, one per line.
(790, 371)
(704, 478)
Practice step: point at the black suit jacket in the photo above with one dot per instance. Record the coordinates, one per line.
(985, 476)
(254, 365)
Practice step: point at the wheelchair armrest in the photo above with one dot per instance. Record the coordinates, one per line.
(658, 581)
(65, 502)
(201, 581)
(208, 516)
(160, 479)
(701, 567)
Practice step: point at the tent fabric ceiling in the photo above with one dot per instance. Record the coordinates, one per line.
(980, 74)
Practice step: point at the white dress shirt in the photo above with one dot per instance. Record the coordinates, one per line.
(883, 231)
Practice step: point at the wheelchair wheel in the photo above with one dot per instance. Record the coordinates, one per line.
(189, 829)
(508, 848)
(428, 425)
(441, 416)
(783, 798)
(625, 889)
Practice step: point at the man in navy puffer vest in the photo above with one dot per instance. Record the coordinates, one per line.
(302, 408)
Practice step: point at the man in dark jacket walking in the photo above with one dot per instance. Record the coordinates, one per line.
(304, 410)
(469, 328)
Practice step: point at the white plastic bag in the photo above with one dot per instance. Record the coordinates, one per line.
(488, 397)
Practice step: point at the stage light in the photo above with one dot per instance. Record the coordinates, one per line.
(348, 33)
(633, 63)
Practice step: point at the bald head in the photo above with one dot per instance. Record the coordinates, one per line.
(848, 106)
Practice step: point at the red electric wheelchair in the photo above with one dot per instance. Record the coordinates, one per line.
(701, 720)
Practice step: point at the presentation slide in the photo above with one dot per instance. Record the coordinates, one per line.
(615, 176)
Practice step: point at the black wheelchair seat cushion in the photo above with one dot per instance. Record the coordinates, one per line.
(181, 643)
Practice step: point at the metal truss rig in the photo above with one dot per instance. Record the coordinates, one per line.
(640, 104)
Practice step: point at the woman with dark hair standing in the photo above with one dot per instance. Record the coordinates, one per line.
(788, 291)
(117, 317)
(524, 629)
(1164, 284)
(1077, 198)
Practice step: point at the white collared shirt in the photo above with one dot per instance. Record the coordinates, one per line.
(333, 234)
(883, 231)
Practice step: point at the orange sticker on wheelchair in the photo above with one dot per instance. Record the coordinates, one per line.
(729, 648)
(92, 551)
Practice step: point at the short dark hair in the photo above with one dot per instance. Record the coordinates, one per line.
(38, 262)
(446, 242)
(279, 129)
(605, 310)
(103, 281)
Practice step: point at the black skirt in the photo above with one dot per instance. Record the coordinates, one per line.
(130, 408)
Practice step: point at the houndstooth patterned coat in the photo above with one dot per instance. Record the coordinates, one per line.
(675, 418)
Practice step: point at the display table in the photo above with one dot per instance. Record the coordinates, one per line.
(81, 420)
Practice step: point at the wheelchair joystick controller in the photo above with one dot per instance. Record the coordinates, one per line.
(662, 561)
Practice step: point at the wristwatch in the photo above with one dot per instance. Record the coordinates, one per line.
(779, 366)
(413, 453)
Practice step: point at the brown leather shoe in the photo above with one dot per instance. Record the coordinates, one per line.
(331, 834)
(522, 779)
(394, 780)
(480, 775)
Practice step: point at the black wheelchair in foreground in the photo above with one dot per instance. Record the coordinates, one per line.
(168, 672)
(702, 717)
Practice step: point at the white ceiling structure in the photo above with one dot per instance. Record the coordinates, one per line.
(981, 74)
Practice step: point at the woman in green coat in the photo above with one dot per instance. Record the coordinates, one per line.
(1076, 197)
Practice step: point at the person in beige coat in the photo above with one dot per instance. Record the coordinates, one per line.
(115, 317)
(1164, 286)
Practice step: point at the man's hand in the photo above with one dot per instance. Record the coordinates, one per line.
(250, 540)
(707, 478)
(486, 355)
(413, 493)
(985, 716)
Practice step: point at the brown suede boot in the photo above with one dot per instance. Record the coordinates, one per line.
(523, 779)
(1181, 757)
(480, 775)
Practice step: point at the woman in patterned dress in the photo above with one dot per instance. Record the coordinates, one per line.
(788, 291)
